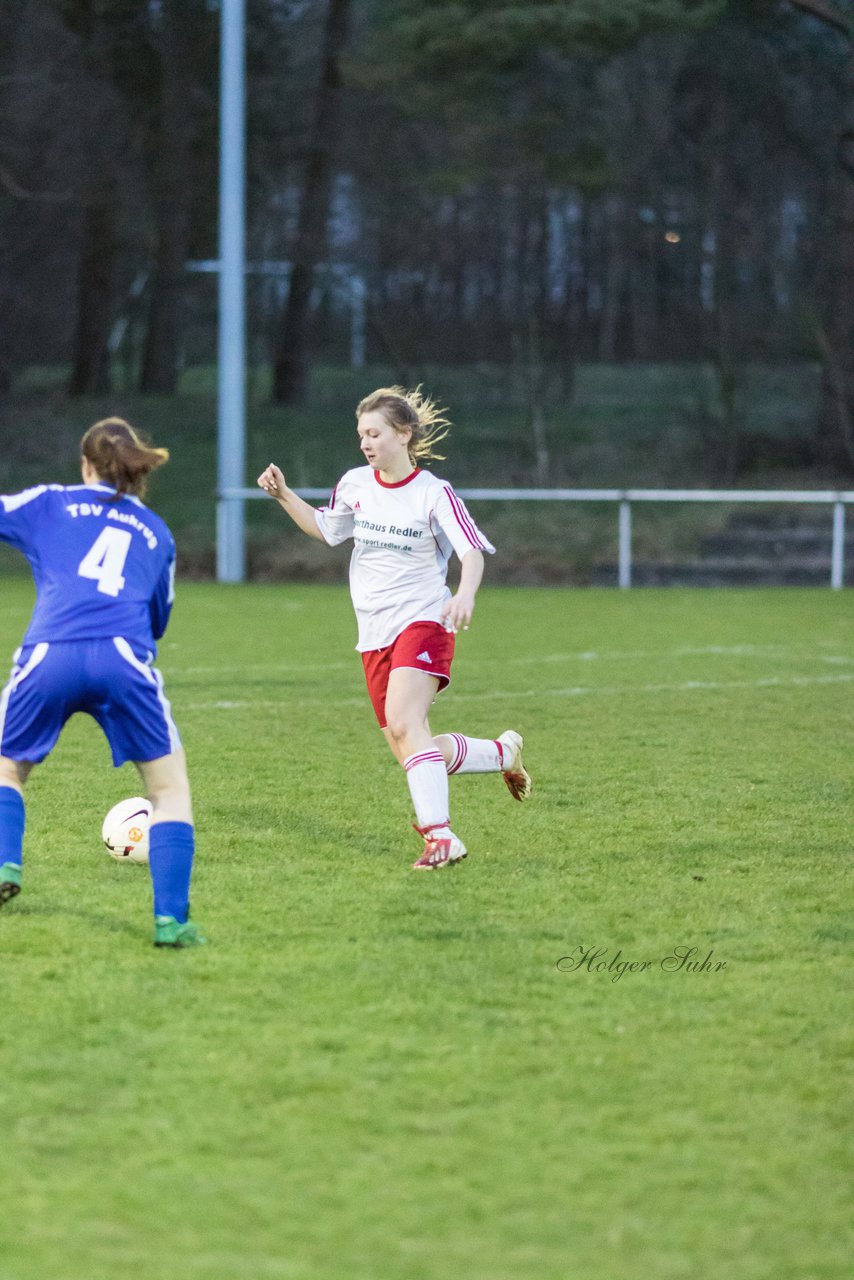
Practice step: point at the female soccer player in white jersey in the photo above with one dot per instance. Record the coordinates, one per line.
(104, 570)
(405, 523)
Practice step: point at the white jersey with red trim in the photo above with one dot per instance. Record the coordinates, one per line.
(403, 536)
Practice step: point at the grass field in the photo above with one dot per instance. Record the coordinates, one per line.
(375, 1074)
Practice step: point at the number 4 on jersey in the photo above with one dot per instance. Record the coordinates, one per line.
(105, 560)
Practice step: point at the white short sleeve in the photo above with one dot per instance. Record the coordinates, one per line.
(335, 521)
(454, 519)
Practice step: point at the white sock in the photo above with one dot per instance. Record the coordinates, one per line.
(428, 786)
(475, 755)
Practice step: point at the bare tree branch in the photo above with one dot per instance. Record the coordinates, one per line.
(14, 189)
(840, 406)
(825, 13)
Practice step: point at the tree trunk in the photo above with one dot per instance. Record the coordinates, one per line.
(291, 357)
(836, 415)
(644, 293)
(537, 403)
(615, 278)
(835, 437)
(722, 335)
(96, 270)
(528, 348)
(173, 197)
(100, 198)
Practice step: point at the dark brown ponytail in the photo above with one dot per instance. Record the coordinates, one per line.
(120, 457)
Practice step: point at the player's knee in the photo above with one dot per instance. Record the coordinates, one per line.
(398, 726)
(13, 773)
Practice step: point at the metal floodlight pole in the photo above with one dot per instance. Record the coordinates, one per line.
(837, 555)
(624, 565)
(231, 394)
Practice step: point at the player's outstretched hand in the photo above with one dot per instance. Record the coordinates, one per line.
(458, 611)
(272, 481)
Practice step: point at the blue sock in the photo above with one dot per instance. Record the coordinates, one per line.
(12, 819)
(170, 859)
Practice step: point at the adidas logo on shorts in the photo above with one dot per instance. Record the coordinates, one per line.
(424, 657)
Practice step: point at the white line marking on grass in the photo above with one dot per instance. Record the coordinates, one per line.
(690, 651)
(573, 691)
(684, 686)
(222, 669)
(736, 651)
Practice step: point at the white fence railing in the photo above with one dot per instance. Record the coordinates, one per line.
(624, 498)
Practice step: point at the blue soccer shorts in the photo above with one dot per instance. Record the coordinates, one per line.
(109, 679)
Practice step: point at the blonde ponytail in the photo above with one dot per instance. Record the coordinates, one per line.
(410, 410)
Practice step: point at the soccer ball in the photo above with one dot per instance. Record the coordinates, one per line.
(125, 830)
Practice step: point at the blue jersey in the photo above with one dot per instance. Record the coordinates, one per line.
(102, 568)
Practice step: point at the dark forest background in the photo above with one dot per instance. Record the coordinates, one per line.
(535, 186)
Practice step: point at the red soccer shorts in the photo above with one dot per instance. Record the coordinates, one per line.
(426, 646)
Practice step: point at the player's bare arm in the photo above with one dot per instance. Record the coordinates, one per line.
(459, 609)
(272, 481)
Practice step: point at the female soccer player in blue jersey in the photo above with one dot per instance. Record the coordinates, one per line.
(104, 570)
(405, 524)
